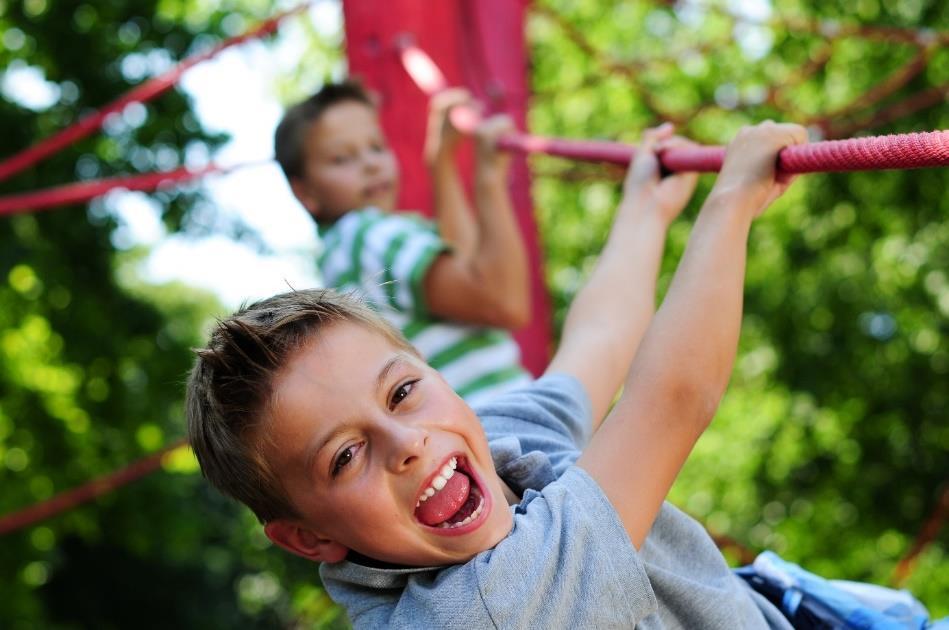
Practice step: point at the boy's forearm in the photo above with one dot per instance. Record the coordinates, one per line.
(456, 225)
(699, 321)
(500, 255)
(679, 373)
(609, 316)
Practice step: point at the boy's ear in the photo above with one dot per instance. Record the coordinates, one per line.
(304, 195)
(304, 542)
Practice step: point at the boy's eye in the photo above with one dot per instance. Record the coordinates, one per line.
(340, 159)
(401, 393)
(343, 459)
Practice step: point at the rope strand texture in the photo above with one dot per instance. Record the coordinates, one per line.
(903, 151)
(914, 150)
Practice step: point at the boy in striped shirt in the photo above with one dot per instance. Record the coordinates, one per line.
(451, 286)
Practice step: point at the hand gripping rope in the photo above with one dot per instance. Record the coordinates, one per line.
(903, 151)
(912, 150)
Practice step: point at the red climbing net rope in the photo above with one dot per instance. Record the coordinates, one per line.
(84, 191)
(859, 114)
(86, 492)
(140, 94)
(915, 150)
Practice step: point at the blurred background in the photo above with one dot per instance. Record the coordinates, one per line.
(831, 446)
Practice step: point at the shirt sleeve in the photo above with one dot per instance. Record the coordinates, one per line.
(551, 415)
(568, 563)
(392, 254)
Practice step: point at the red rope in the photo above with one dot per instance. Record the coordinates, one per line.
(86, 492)
(139, 94)
(926, 536)
(80, 192)
(915, 150)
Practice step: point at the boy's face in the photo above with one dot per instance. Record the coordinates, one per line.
(360, 431)
(347, 163)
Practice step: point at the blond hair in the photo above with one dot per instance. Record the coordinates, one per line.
(231, 387)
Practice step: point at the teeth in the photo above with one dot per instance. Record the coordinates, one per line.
(446, 473)
(468, 519)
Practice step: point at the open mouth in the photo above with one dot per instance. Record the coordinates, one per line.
(453, 498)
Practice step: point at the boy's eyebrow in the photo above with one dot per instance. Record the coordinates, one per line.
(387, 368)
(381, 379)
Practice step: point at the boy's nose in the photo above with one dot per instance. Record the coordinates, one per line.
(408, 445)
(372, 161)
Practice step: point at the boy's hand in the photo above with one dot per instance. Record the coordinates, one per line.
(486, 134)
(749, 171)
(442, 137)
(645, 188)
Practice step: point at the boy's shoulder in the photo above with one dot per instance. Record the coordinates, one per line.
(554, 405)
(536, 431)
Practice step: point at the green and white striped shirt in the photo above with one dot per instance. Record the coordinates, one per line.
(384, 257)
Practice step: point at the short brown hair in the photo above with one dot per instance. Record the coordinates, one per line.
(230, 387)
(288, 139)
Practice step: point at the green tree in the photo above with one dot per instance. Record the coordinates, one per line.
(830, 446)
(835, 420)
(92, 367)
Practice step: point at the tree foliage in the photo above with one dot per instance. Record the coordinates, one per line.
(92, 366)
(830, 446)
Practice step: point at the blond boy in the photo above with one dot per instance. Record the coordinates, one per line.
(528, 513)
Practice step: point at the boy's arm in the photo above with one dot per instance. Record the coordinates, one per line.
(610, 314)
(484, 279)
(682, 367)
(456, 223)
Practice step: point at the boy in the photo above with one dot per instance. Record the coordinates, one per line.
(356, 454)
(444, 288)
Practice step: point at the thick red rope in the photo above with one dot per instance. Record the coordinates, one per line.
(914, 150)
(81, 192)
(903, 151)
(86, 492)
(139, 94)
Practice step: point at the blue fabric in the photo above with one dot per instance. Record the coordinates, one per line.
(811, 602)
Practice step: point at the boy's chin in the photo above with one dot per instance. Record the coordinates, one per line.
(327, 216)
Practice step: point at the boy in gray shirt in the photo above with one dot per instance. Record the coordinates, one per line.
(354, 453)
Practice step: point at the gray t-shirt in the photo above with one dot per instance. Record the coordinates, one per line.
(568, 562)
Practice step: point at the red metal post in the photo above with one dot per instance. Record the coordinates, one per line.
(478, 45)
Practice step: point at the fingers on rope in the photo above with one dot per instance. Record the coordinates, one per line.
(913, 150)
(918, 150)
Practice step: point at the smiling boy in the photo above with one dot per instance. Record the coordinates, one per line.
(453, 286)
(353, 452)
